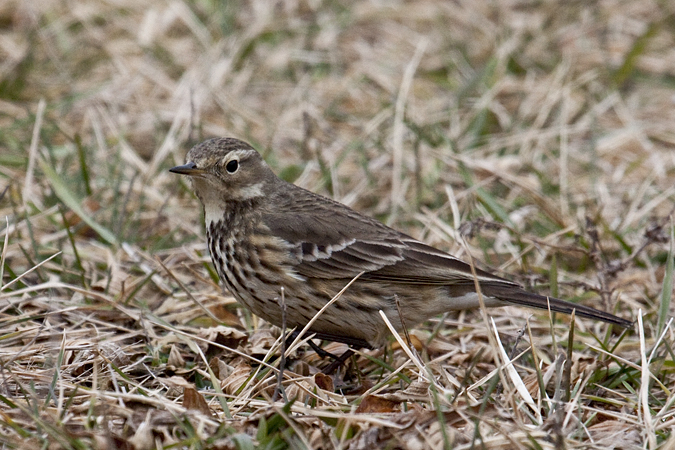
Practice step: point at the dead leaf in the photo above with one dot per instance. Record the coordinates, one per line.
(324, 382)
(220, 368)
(226, 317)
(236, 379)
(377, 404)
(261, 341)
(195, 401)
(222, 336)
(175, 360)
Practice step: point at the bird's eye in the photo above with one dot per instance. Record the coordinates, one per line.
(232, 166)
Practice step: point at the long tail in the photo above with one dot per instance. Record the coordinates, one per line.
(514, 294)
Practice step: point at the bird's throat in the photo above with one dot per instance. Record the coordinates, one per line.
(213, 214)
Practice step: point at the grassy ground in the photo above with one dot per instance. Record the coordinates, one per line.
(539, 133)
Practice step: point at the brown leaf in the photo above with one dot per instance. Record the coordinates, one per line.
(261, 341)
(175, 358)
(230, 337)
(177, 382)
(222, 336)
(324, 382)
(192, 399)
(220, 369)
(377, 404)
(225, 316)
(239, 375)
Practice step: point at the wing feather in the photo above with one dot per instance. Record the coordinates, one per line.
(332, 241)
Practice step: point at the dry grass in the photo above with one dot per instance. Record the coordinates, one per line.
(542, 133)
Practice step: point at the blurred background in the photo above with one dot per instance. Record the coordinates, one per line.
(541, 132)
(382, 105)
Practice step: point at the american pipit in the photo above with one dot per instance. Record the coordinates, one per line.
(264, 234)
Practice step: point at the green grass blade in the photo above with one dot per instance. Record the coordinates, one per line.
(624, 72)
(492, 204)
(667, 292)
(67, 197)
(84, 170)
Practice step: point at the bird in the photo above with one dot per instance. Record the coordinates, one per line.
(265, 234)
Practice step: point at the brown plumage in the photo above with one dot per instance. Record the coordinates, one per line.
(264, 233)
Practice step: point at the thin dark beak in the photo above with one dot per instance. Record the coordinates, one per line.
(187, 169)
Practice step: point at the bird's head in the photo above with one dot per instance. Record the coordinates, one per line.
(224, 170)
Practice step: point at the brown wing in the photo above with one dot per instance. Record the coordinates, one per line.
(333, 241)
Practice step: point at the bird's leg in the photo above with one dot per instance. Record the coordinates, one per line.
(353, 343)
(337, 360)
(321, 352)
(332, 367)
(279, 391)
